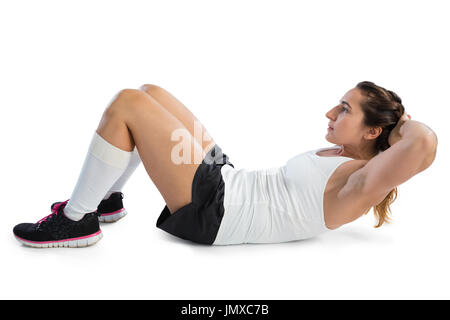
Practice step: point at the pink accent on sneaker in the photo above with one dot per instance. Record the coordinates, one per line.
(54, 210)
(71, 239)
(111, 213)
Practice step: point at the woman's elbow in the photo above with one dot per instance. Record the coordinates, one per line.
(430, 149)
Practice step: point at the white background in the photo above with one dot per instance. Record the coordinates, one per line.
(260, 75)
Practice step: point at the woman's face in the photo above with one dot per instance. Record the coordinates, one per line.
(346, 120)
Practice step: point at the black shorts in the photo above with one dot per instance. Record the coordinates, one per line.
(199, 220)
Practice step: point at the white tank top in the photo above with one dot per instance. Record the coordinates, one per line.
(278, 204)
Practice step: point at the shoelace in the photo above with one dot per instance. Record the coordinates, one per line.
(54, 210)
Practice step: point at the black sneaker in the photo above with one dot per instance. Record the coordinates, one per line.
(109, 210)
(56, 230)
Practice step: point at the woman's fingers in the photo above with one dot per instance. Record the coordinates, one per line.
(405, 117)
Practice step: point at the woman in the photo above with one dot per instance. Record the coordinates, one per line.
(377, 147)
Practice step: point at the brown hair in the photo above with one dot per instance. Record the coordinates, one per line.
(381, 108)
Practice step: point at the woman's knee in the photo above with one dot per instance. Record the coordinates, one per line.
(150, 88)
(127, 100)
(131, 96)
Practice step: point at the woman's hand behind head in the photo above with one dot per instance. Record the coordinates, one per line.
(395, 135)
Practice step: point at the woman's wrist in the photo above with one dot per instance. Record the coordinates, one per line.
(416, 130)
(410, 129)
(395, 135)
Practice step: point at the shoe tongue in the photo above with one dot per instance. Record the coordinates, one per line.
(56, 210)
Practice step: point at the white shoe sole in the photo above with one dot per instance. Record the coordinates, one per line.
(113, 216)
(69, 243)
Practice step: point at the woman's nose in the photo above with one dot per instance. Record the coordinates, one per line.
(329, 114)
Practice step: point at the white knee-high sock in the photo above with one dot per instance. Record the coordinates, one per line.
(135, 160)
(103, 165)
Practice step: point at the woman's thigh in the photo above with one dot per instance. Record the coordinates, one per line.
(181, 112)
(168, 151)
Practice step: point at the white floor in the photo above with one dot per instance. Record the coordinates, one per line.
(135, 260)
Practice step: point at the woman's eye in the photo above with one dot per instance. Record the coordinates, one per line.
(345, 109)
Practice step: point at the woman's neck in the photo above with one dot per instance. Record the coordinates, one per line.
(366, 153)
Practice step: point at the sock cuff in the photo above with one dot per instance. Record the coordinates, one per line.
(109, 153)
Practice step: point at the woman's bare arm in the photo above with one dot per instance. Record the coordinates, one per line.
(412, 153)
(413, 149)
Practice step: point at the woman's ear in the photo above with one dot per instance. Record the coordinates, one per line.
(373, 133)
